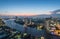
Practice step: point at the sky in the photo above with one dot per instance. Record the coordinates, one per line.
(28, 7)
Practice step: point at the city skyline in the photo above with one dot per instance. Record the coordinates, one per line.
(28, 7)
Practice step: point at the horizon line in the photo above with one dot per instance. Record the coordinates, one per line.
(23, 15)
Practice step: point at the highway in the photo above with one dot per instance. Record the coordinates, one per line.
(18, 27)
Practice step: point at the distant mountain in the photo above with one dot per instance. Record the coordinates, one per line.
(56, 13)
(42, 16)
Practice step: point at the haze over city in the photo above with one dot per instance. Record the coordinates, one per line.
(29, 19)
(28, 7)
